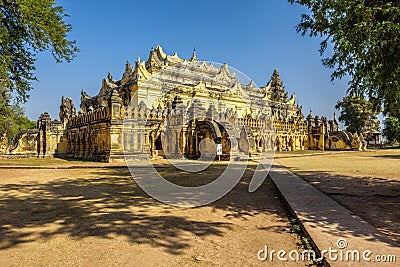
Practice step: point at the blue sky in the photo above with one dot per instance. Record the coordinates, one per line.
(254, 37)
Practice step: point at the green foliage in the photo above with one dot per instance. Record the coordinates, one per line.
(26, 28)
(12, 119)
(365, 40)
(358, 114)
(392, 129)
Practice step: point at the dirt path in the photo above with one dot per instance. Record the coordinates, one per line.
(366, 183)
(99, 217)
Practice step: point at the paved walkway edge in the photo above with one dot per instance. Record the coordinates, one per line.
(326, 222)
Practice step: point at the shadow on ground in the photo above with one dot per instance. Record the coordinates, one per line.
(376, 200)
(388, 156)
(109, 203)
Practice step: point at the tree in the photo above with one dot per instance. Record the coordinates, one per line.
(26, 28)
(358, 114)
(365, 39)
(12, 119)
(392, 129)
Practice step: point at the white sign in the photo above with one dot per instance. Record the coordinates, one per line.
(219, 149)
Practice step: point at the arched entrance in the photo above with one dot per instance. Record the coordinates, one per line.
(206, 129)
(190, 140)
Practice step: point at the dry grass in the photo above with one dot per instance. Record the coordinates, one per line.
(367, 183)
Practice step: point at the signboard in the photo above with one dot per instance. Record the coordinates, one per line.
(219, 149)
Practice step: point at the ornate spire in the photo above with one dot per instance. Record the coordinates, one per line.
(194, 56)
(310, 116)
(128, 70)
(276, 87)
(276, 80)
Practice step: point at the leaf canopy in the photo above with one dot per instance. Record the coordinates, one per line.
(364, 36)
(28, 27)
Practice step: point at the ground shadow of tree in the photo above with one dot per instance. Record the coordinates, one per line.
(101, 206)
(376, 200)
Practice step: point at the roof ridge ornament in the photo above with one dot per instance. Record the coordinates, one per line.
(161, 52)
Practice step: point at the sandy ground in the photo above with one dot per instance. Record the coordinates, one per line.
(367, 183)
(100, 217)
